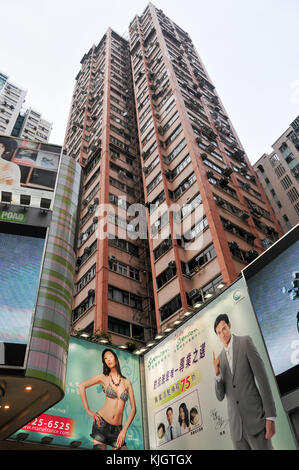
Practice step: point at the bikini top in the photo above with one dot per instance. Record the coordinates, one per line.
(110, 393)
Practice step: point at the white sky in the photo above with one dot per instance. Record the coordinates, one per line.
(249, 47)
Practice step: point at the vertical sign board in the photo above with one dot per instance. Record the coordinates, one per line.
(68, 421)
(180, 375)
(28, 173)
(20, 264)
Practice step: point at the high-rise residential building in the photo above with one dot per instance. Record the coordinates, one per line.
(207, 214)
(16, 119)
(31, 125)
(11, 100)
(278, 173)
(112, 285)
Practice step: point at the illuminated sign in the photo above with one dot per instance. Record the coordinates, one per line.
(68, 420)
(9, 216)
(184, 411)
(20, 264)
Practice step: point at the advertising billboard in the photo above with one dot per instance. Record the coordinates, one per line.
(28, 168)
(115, 402)
(273, 284)
(20, 264)
(190, 406)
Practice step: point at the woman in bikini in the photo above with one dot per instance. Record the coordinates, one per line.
(107, 422)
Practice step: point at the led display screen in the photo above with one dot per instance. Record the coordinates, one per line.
(20, 264)
(274, 292)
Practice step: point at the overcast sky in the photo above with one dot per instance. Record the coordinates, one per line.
(249, 47)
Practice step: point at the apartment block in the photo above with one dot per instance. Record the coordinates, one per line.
(31, 125)
(112, 285)
(11, 101)
(278, 173)
(191, 156)
(16, 119)
(148, 126)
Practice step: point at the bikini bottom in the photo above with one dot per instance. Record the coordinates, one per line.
(106, 433)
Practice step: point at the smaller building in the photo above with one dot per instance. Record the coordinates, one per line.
(17, 120)
(31, 125)
(278, 173)
(12, 98)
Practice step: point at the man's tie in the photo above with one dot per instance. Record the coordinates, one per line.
(171, 433)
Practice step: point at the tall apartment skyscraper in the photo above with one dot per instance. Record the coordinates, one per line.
(278, 173)
(207, 214)
(112, 288)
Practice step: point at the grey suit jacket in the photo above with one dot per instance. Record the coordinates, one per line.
(247, 404)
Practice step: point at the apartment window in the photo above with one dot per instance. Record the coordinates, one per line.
(296, 207)
(148, 136)
(196, 230)
(154, 183)
(274, 159)
(293, 195)
(124, 297)
(176, 151)
(124, 269)
(84, 306)
(119, 326)
(157, 201)
(236, 230)
(123, 245)
(286, 182)
(164, 246)
(170, 122)
(178, 169)
(118, 201)
(171, 307)
(212, 165)
(183, 186)
(191, 205)
(158, 224)
(287, 222)
(85, 279)
(289, 158)
(172, 137)
(199, 260)
(147, 153)
(165, 276)
(152, 165)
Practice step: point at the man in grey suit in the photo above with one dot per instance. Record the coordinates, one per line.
(251, 408)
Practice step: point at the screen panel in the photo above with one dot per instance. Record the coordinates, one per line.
(20, 264)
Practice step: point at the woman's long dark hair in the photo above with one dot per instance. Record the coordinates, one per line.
(106, 370)
(183, 405)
